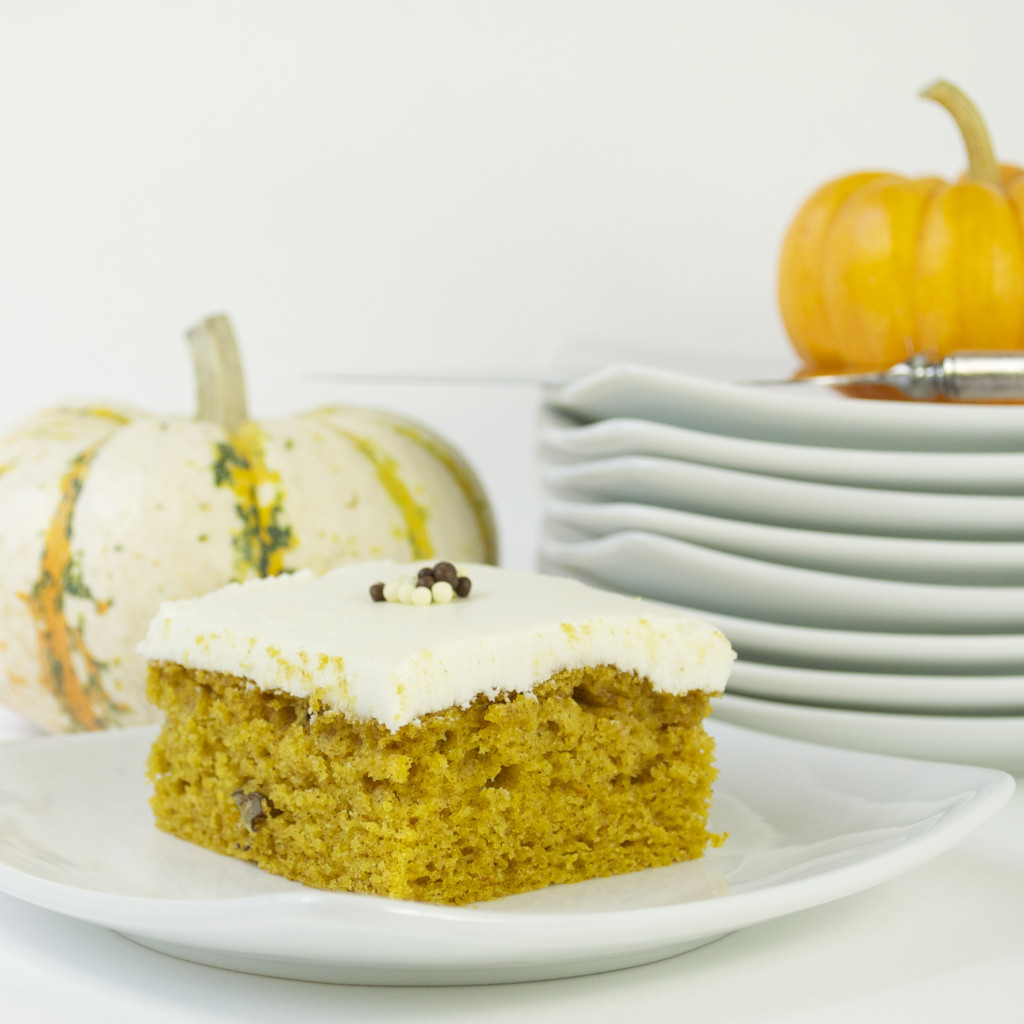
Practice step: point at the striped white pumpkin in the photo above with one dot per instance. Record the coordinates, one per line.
(107, 511)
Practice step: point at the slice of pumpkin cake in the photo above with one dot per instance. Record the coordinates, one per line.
(434, 735)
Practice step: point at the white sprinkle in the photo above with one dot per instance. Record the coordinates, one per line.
(442, 592)
(421, 595)
(405, 593)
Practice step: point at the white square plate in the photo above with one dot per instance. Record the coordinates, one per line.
(806, 825)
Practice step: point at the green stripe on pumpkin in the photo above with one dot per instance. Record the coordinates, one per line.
(263, 536)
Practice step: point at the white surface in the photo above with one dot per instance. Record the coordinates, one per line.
(393, 662)
(880, 691)
(562, 439)
(77, 836)
(791, 414)
(993, 740)
(454, 187)
(732, 494)
(665, 569)
(987, 563)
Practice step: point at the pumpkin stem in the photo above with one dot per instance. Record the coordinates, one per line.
(981, 158)
(220, 386)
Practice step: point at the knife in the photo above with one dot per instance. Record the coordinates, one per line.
(969, 376)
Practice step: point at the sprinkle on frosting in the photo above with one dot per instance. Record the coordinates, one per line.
(436, 584)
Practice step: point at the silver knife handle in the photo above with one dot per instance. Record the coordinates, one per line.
(983, 376)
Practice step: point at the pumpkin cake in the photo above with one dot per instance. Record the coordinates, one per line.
(437, 736)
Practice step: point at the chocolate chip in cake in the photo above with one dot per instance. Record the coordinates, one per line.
(250, 807)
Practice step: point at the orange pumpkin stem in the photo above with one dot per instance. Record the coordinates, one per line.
(981, 158)
(220, 385)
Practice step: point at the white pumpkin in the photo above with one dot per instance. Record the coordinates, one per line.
(106, 511)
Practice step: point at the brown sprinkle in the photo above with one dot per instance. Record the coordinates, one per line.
(446, 572)
(377, 591)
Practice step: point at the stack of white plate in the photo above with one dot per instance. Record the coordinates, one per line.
(865, 558)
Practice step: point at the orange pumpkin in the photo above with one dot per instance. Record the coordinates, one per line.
(877, 267)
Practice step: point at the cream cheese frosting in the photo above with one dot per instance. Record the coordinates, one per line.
(303, 634)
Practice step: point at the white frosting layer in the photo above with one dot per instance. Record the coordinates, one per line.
(303, 633)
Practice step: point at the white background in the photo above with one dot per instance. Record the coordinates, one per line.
(458, 188)
(450, 187)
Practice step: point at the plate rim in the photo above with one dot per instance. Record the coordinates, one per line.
(861, 591)
(970, 424)
(814, 689)
(995, 740)
(772, 542)
(560, 435)
(592, 472)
